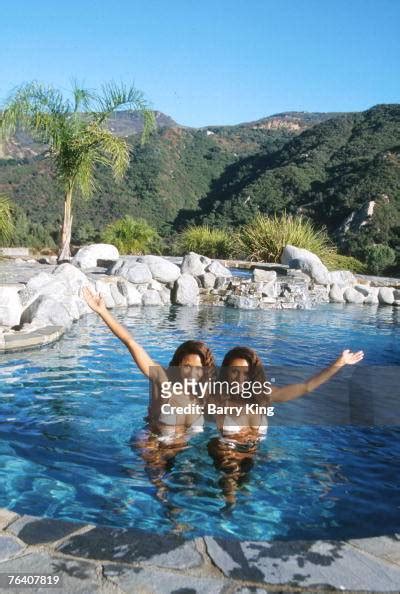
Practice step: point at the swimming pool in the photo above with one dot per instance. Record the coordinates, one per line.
(68, 413)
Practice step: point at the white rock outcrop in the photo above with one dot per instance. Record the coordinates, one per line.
(218, 269)
(194, 264)
(307, 262)
(186, 290)
(87, 256)
(10, 305)
(161, 269)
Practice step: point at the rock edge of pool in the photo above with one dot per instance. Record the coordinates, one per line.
(93, 558)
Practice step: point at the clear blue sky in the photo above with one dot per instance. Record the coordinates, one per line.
(212, 62)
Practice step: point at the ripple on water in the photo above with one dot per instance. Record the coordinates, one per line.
(69, 411)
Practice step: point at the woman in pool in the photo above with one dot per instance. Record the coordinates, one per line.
(192, 360)
(243, 421)
(167, 434)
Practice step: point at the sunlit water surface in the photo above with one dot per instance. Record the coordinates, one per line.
(69, 412)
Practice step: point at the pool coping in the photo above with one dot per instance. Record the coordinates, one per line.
(93, 558)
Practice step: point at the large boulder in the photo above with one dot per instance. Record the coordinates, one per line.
(185, 291)
(46, 311)
(46, 284)
(64, 286)
(261, 275)
(336, 294)
(132, 270)
(73, 306)
(363, 289)
(35, 283)
(103, 288)
(317, 271)
(72, 276)
(10, 305)
(161, 269)
(386, 295)
(307, 262)
(218, 269)
(151, 297)
(165, 295)
(342, 278)
(156, 285)
(221, 282)
(269, 289)
(120, 300)
(194, 264)
(291, 252)
(352, 296)
(130, 292)
(207, 280)
(372, 297)
(87, 256)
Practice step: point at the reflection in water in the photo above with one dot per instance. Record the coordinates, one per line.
(233, 466)
(159, 461)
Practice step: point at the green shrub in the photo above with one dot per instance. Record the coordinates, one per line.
(379, 257)
(214, 243)
(341, 262)
(6, 219)
(132, 236)
(264, 238)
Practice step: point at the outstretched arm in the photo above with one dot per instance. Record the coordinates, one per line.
(293, 391)
(140, 356)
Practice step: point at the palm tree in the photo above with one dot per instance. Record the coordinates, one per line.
(76, 133)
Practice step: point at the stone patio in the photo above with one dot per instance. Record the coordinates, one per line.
(114, 560)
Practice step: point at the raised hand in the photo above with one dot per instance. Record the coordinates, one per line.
(94, 300)
(349, 358)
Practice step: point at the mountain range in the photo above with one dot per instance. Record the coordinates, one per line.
(340, 169)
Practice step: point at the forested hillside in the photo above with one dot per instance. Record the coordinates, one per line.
(335, 168)
(330, 172)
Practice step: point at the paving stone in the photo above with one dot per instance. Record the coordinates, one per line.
(9, 547)
(301, 563)
(77, 577)
(33, 530)
(133, 546)
(37, 337)
(256, 590)
(6, 517)
(150, 581)
(380, 546)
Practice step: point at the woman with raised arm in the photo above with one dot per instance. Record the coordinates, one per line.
(167, 434)
(242, 420)
(192, 360)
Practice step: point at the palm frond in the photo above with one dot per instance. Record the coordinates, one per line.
(37, 109)
(116, 97)
(83, 98)
(96, 145)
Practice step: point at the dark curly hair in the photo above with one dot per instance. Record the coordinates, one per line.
(195, 347)
(256, 369)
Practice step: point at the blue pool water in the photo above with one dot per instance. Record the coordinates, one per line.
(69, 412)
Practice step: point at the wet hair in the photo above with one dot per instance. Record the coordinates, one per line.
(257, 371)
(194, 347)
